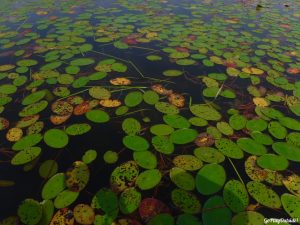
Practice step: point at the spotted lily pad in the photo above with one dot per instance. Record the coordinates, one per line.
(77, 177)
(163, 144)
(209, 155)
(235, 196)
(185, 201)
(124, 176)
(129, 200)
(26, 156)
(205, 112)
(291, 205)
(263, 195)
(84, 214)
(78, 129)
(229, 148)
(187, 162)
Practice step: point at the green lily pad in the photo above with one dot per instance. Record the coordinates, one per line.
(263, 195)
(209, 155)
(277, 130)
(131, 126)
(106, 200)
(27, 62)
(56, 138)
(166, 108)
(183, 136)
(185, 201)
(172, 73)
(97, 116)
(48, 210)
(78, 129)
(247, 218)
(272, 113)
(163, 144)
(252, 147)
(161, 129)
(288, 151)
(27, 141)
(150, 97)
(8, 89)
(110, 157)
(54, 186)
(34, 97)
(273, 162)
(225, 128)
(256, 125)
(210, 179)
(291, 205)
(148, 179)
(129, 200)
(237, 121)
(162, 219)
(182, 179)
(176, 121)
(30, 212)
(82, 62)
(235, 196)
(205, 112)
(261, 138)
(293, 138)
(33, 109)
(214, 214)
(290, 123)
(89, 156)
(26, 156)
(136, 143)
(65, 198)
(145, 159)
(133, 98)
(229, 148)
(187, 219)
(48, 168)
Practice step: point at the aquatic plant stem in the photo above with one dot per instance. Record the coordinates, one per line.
(236, 171)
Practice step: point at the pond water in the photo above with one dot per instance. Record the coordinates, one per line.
(149, 112)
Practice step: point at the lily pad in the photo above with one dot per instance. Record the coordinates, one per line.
(291, 205)
(229, 148)
(209, 155)
(263, 195)
(235, 196)
(210, 179)
(53, 186)
(145, 159)
(182, 179)
(288, 151)
(56, 138)
(136, 143)
(30, 212)
(183, 136)
(252, 147)
(205, 112)
(97, 116)
(185, 201)
(273, 162)
(148, 179)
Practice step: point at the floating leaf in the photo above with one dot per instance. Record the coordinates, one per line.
(263, 195)
(148, 179)
(209, 155)
(53, 186)
(78, 129)
(133, 98)
(214, 214)
(84, 214)
(250, 146)
(205, 112)
(56, 138)
(235, 196)
(229, 148)
(65, 198)
(131, 126)
(182, 179)
(77, 177)
(210, 179)
(183, 136)
(30, 212)
(136, 143)
(291, 205)
(187, 162)
(163, 144)
(97, 116)
(124, 176)
(248, 217)
(145, 159)
(273, 162)
(289, 151)
(185, 201)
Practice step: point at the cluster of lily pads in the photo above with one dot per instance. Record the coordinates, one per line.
(225, 152)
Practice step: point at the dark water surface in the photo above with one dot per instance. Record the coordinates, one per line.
(225, 57)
